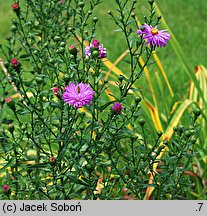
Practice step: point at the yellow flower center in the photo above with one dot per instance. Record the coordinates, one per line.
(154, 31)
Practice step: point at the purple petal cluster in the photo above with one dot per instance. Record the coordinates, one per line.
(78, 95)
(95, 46)
(117, 108)
(56, 90)
(153, 36)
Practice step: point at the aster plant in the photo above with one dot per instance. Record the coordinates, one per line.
(70, 133)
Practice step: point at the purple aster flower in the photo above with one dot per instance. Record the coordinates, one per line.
(117, 108)
(14, 62)
(95, 43)
(6, 188)
(78, 95)
(56, 90)
(95, 46)
(102, 51)
(87, 51)
(153, 36)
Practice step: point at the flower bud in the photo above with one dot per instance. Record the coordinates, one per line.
(142, 28)
(193, 140)
(166, 142)
(109, 12)
(13, 28)
(175, 129)
(187, 133)
(70, 29)
(73, 50)
(11, 128)
(57, 38)
(141, 122)
(39, 80)
(117, 108)
(106, 81)
(133, 15)
(10, 103)
(95, 43)
(137, 99)
(95, 19)
(95, 53)
(180, 129)
(66, 78)
(8, 100)
(121, 78)
(14, 62)
(52, 160)
(6, 188)
(35, 52)
(56, 90)
(89, 167)
(151, 2)
(159, 17)
(81, 4)
(15, 6)
(197, 112)
(62, 44)
(159, 133)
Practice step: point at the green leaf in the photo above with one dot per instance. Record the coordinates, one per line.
(7, 165)
(24, 56)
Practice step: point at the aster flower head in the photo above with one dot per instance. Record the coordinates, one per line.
(6, 188)
(78, 95)
(56, 90)
(153, 36)
(52, 160)
(95, 47)
(117, 108)
(95, 43)
(14, 62)
(10, 103)
(8, 100)
(73, 50)
(87, 51)
(102, 51)
(15, 6)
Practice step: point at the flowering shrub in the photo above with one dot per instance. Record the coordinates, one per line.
(69, 135)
